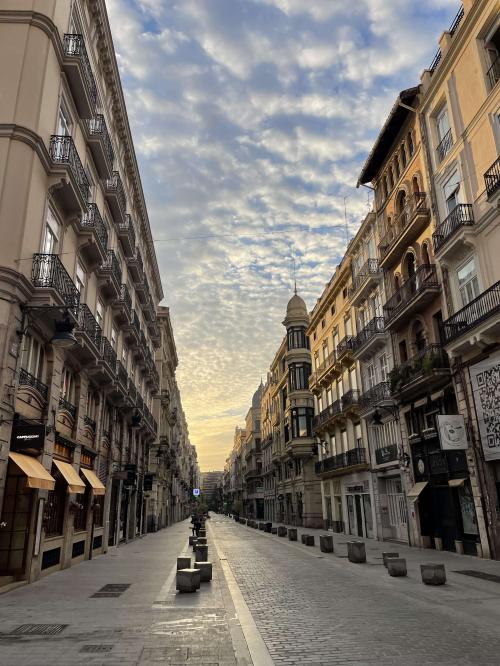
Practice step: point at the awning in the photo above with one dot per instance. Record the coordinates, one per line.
(75, 484)
(414, 492)
(37, 475)
(91, 477)
(456, 483)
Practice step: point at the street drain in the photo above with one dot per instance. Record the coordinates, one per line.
(480, 574)
(96, 648)
(39, 629)
(111, 590)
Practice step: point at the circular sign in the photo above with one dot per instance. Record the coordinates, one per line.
(196, 492)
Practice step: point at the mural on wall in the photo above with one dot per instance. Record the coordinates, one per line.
(485, 381)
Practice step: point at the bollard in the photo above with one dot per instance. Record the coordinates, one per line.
(201, 541)
(191, 539)
(303, 538)
(202, 533)
(396, 566)
(309, 541)
(205, 571)
(386, 556)
(356, 552)
(326, 543)
(188, 580)
(292, 534)
(433, 574)
(195, 541)
(268, 527)
(201, 554)
(274, 530)
(183, 563)
(282, 531)
(262, 526)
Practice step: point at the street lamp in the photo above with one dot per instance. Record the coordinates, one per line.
(63, 337)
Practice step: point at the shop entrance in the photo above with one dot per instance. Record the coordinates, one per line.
(359, 513)
(398, 515)
(15, 524)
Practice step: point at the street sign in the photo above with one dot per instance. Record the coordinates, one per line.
(196, 492)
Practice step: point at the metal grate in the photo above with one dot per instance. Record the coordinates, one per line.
(96, 648)
(111, 590)
(480, 574)
(39, 629)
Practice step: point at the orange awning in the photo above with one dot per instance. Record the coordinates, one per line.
(94, 482)
(37, 475)
(75, 484)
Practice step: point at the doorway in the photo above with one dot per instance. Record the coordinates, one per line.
(16, 518)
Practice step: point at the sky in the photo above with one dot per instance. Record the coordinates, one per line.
(251, 121)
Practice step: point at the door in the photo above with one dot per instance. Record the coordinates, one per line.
(398, 516)
(14, 525)
(328, 506)
(359, 515)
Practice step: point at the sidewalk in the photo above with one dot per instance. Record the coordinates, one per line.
(147, 622)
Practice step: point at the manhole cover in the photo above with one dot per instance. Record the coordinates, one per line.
(111, 590)
(96, 648)
(480, 574)
(39, 629)
(106, 595)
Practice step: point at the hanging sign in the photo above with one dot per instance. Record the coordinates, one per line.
(196, 492)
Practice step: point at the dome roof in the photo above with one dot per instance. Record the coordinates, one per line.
(257, 396)
(296, 307)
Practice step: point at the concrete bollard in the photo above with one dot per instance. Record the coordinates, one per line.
(356, 552)
(292, 534)
(183, 563)
(326, 543)
(268, 527)
(274, 530)
(201, 541)
(202, 533)
(191, 539)
(309, 540)
(201, 554)
(243, 521)
(396, 566)
(282, 531)
(433, 574)
(187, 580)
(195, 541)
(262, 526)
(303, 538)
(205, 571)
(386, 556)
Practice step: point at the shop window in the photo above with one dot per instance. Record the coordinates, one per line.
(80, 512)
(55, 504)
(98, 509)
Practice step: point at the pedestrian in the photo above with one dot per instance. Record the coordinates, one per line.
(193, 524)
(197, 525)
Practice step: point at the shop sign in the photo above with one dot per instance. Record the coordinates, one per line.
(27, 438)
(355, 489)
(196, 492)
(485, 381)
(452, 433)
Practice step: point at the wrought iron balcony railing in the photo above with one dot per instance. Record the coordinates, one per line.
(97, 127)
(452, 30)
(328, 413)
(63, 151)
(67, 406)
(492, 178)
(424, 277)
(375, 395)
(478, 310)
(416, 204)
(493, 73)
(374, 327)
(370, 267)
(108, 354)
(114, 185)
(48, 272)
(125, 298)
(27, 379)
(113, 265)
(342, 460)
(92, 220)
(345, 346)
(127, 227)
(74, 45)
(121, 374)
(445, 145)
(87, 324)
(461, 216)
(350, 399)
(433, 357)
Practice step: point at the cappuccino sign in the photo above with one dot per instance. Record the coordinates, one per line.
(28, 438)
(452, 433)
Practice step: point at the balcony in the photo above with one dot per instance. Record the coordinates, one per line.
(386, 454)
(122, 306)
(132, 330)
(154, 332)
(92, 231)
(99, 142)
(493, 73)
(89, 335)
(342, 463)
(76, 65)
(142, 290)
(345, 350)
(135, 267)
(414, 294)
(126, 234)
(460, 217)
(325, 370)
(48, 274)
(73, 185)
(107, 362)
(110, 275)
(367, 277)
(404, 229)
(27, 380)
(370, 339)
(476, 323)
(327, 416)
(115, 196)
(444, 146)
(68, 407)
(492, 179)
(350, 401)
(375, 396)
(423, 373)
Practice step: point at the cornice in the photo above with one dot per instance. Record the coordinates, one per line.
(15, 285)
(30, 138)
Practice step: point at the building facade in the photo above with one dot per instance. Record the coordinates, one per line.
(254, 492)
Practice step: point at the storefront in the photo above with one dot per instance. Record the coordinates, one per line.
(358, 505)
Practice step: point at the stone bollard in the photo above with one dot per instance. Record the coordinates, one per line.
(356, 551)
(201, 541)
(292, 534)
(195, 541)
(262, 526)
(433, 574)
(274, 530)
(202, 533)
(386, 556)
(183, 563)
(396, 566)
(268, 527)
(191, 539)
(309, 540)
(201, 554)
(188, 580)
(243, 521)
(326, 543)
(282, 531)
(303, 538)
(205, 571)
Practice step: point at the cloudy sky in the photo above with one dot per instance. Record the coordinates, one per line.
(251, 121)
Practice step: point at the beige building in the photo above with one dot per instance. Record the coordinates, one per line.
(253, 493)
(80, 286)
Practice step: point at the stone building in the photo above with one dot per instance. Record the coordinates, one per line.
(254, 493)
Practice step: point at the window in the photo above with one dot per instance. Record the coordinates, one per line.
(443, 130)
(125, 357)
(92, 402)
(68, 385)
(113, 337)
(396, 167)
(492, 46)
(33, 356)
(348, 326)
(299, 376)
(80, 279)
(344, 293)
(411, 147)
(51, 234)
(302, 421)
(382, 364)
(370, 375)
(332, 309)
(403, 156)
(64, 123)
(390, 178)
(316, 360)
(90, 177)
(99, 313)
(467, 281)
(323, 323)
(353, 382)
(297, 338)
(451, 192)
(325, 351)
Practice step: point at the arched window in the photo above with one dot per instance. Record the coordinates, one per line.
(390, 178)
(396, 167)
(411, 147)
(425, 254)
(403, 156)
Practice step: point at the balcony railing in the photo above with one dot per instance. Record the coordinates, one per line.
(374, 327)
(461, 216)
(125, 298)
(27, 379)
(375, 395)
(370, 267)
(421, 365)
(114, 186)
(331, 411)
(121, 374)
(478, 310)
(445, 145)
(113, 265)
(386, 454)
(127, 227)
(74, 45)
(48, 272)
(108, 354)
(341, 461)
(63, 151)
(67, 406)
(492, 178)
(92, 220)
(416, 204)
(97, 127)
(87, 324)
(452, 30)
(350, 399)
(424, 277)
(493, 73)
(345, 346)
